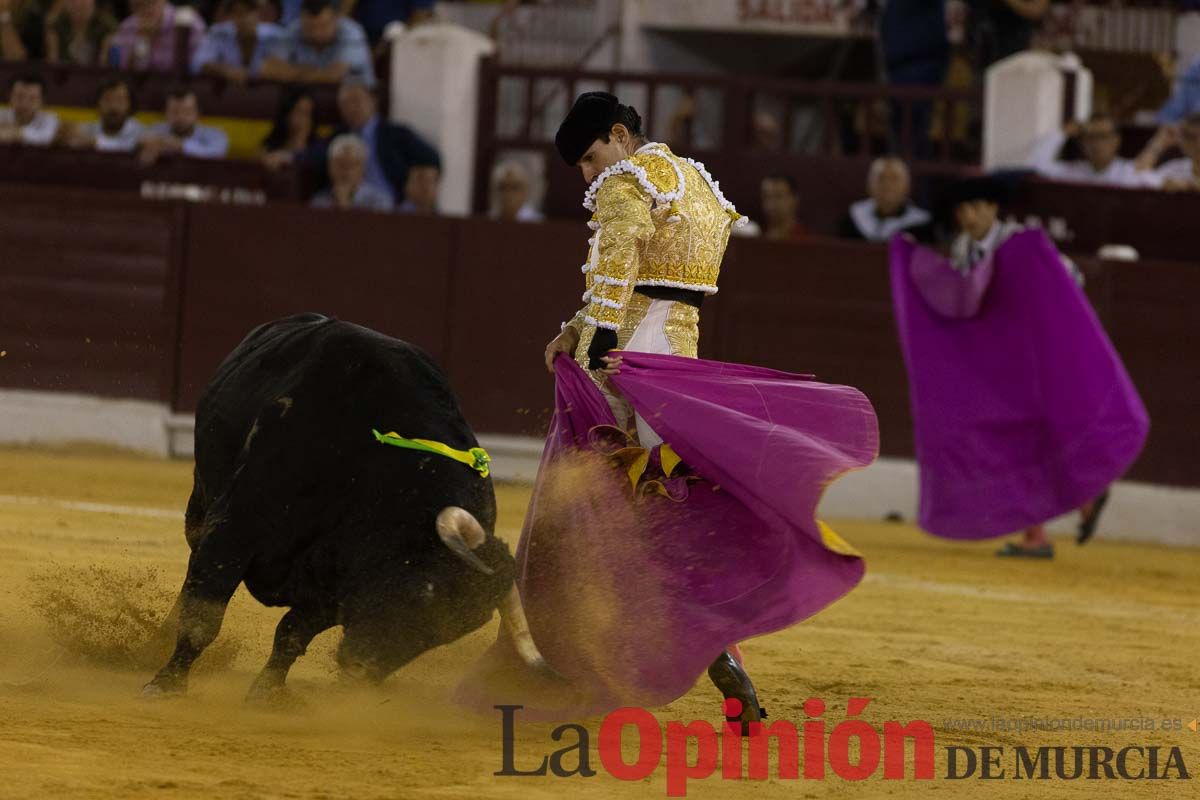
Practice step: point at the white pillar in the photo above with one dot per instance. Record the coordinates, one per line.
(1187, 39)
(435, 91)
(1023, 101)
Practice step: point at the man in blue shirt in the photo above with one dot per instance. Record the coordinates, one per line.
(374, 15)
(320, 47)
(916, 52)
(1185, 100)
(182, 132)
(235, 49)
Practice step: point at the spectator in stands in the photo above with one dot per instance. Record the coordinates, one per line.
(25, 120)
(1185, 99)
(768, 133)
(698, 125)
(376, 15)
(916, 52)
(392, 149)
(20, 26)
(510, 194)
(182, 131)
(1100, 142)
(348, 187)
(781, 206)
(235, 49)
(997, 29)
(421, 190)
(293, 134)
(321, 47)
(373, 15)
(146, 38)
(889, 209)
(116, 131)
(79, 34)
(1180, 174)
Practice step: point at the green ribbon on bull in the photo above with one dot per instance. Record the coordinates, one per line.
(476, 458)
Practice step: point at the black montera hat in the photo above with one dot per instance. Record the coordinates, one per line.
(593, 115)
(981, 188)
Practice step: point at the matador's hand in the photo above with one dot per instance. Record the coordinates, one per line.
(565, 342)
(612, 365)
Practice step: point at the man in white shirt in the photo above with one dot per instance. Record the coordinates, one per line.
(348, 187)
(24, 120)
(1178, 174)
(1100, 142)
(116, 131)
(510, 194)
(889, 209)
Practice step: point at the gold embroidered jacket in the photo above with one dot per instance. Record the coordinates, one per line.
(659, 220)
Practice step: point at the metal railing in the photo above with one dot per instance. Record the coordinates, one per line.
(1127, 27)
(558, 34)
(728, 115)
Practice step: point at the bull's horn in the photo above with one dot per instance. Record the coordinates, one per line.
(462, 533)
(513, 614)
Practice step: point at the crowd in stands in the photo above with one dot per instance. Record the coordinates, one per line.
(377, 164)
(316, 40)
(368, 162)
(1099, 141)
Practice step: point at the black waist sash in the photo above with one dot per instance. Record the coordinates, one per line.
(689, 296)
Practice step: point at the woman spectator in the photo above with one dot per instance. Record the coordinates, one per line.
(79, 34)
(294, 130)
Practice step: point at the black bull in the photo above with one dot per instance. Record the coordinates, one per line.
(294, 496)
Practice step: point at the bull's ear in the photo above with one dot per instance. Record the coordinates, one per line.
(462, 533)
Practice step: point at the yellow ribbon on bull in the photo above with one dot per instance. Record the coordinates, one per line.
(476, 458)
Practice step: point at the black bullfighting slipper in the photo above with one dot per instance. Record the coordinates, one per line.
(731, 678)
(1087, 525)
(1013, 550)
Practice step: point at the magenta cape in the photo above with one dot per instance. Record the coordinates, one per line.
(632, 592)
(1022, 410)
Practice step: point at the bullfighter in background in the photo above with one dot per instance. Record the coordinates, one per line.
(1022, 409)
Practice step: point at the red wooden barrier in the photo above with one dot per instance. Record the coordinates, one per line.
(87, 298)
(110, 295)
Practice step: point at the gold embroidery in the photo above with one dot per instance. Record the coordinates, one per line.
(659, 170)
(635, 312)
(682, 330)
(639, 242)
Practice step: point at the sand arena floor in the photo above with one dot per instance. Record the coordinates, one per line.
(92, 552)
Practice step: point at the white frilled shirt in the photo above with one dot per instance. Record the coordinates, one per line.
(875, 228)
(966, 252)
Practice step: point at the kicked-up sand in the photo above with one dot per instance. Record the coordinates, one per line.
(92, 554)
